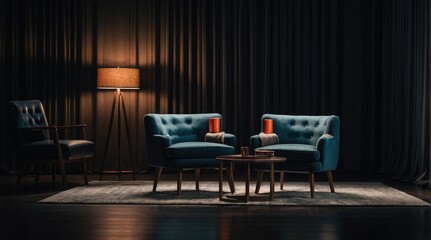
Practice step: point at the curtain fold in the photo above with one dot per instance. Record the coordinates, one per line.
(4, 155)
(365, 61)
(405, 90)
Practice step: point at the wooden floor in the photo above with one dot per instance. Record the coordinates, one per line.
(23, 218)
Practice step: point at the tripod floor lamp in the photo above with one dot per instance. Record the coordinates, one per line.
(118, 78)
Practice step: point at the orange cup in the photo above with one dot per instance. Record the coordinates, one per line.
(214, 125)
(267, 126)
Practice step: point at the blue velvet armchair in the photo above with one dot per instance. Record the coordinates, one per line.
(309, 143)
(177, 141)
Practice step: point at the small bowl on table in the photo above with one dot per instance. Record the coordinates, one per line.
(267, 153)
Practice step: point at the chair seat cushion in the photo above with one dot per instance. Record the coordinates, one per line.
(71, 149)
(198, 150)
(295, 152)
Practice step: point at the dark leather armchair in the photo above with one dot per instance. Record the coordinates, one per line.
(38, 142)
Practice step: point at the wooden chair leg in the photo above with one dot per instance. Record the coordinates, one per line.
(60, 160)
(84, 169)
(21, 169)
(53, 173)
(311, 179)
(18, 178)
(330, 181)
(37, 169)
(179, 181)
(281, 180)
(197, 177)
(63, 174)
(259, 181)
(157, 178)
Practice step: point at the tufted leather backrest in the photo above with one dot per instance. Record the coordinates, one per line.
(179, 127)
(28, 114)
(303, 129)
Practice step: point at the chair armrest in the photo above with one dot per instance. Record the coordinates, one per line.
(53, 129)
(156, 148)
(69, 126)
(162, 140)
(230, 139)
(327, 145)
(255, 142)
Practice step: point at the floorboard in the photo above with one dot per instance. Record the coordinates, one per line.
(23, 218)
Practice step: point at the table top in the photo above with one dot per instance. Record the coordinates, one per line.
(251, 158)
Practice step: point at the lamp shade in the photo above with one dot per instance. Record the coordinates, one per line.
(113, 78)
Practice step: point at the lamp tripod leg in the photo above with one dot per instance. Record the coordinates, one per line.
(109, 135)
(120, 98)
(128, 136)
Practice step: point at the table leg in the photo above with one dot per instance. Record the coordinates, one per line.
(220, 183)
(231, 181)
(247, 183)
(271, 176)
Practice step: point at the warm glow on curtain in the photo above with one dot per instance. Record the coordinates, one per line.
(365, 61)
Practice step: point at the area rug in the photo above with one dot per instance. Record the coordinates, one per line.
(294, 194)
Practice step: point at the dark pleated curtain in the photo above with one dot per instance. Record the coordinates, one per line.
(42, 58)
(365, 61)
(4, 161)
(405, 89)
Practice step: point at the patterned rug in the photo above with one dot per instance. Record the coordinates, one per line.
(294, 194)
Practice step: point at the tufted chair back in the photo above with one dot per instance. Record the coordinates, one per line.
(28, 114)
(303, 129)
(179, 127)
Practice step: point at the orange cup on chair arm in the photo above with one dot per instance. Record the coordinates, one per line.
(214, 125)
(268, 126)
